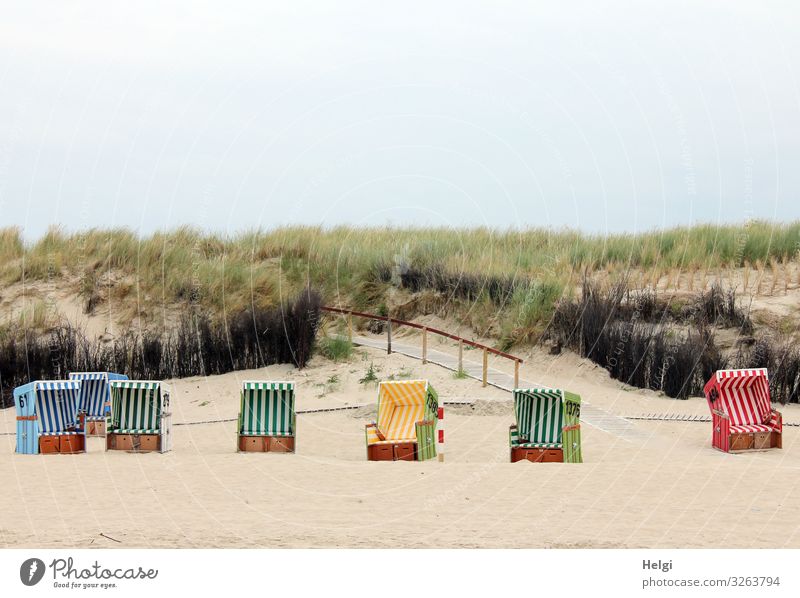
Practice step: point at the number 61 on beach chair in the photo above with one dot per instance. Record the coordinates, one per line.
(406, 430)
(741, 412)
(548, 426)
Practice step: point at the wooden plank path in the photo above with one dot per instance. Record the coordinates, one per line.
(620, 427)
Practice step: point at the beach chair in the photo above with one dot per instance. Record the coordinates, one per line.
(139, 419)
(741, 412)
(548, 426)
(406, 425)
(95, 400)
(47, 419)
(267, 420)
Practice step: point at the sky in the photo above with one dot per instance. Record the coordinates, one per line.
(599, 116)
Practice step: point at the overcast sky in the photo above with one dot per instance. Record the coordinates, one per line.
(230, 115)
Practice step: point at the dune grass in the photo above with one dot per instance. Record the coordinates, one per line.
(509, 280)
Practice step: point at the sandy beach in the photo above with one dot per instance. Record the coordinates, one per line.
(668, 489)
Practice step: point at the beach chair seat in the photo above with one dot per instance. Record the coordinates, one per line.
(547, 445)
(137, 430)
(406, 424)
(749, 428)
(742, 416)
(267, 418)
(547, 427)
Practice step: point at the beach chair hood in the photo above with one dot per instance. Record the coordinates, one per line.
(95, 393)
(267, 409)
(136, 406)
(742, 395)
(401, 404)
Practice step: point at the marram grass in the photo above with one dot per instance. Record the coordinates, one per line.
(535, 266)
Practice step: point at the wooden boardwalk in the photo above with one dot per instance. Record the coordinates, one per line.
(620, 427)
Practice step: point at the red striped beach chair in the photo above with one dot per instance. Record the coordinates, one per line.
(548, 426)
(408, 412)
(742, 415)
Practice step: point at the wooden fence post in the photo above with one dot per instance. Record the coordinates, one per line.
(389, 341)
(485, 366)
(350, 328)
(516, 373)
(424, 345)
(460, 357)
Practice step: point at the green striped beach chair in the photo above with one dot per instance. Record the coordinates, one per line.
(267, 420)
(548, 426)
(139, 419)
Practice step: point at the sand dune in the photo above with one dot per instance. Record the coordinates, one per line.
(670, 490)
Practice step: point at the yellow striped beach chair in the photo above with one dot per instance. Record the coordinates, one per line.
(405, 429)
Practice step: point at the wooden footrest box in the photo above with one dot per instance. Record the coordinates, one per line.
(755, 441)
(401, 451)
(65, 444)
(266, 444)
(138, 443)
(537, 455)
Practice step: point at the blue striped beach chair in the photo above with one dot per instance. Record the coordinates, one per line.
(548, 426)
(267, 420)
(95, 399)
(139, 419)
(47, 420)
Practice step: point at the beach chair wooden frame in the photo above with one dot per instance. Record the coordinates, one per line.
(140, 420)
(548, 426)
(267, 420)
(95, 400)
(741, 411)
(405, 429)
(47, 421)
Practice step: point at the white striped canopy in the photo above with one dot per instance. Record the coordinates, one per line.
(540, 416)
(743, 395)
(135, 406)
(267, 409)
(94, 392)
(56, 403)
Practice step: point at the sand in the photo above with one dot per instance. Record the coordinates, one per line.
(670, 490)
